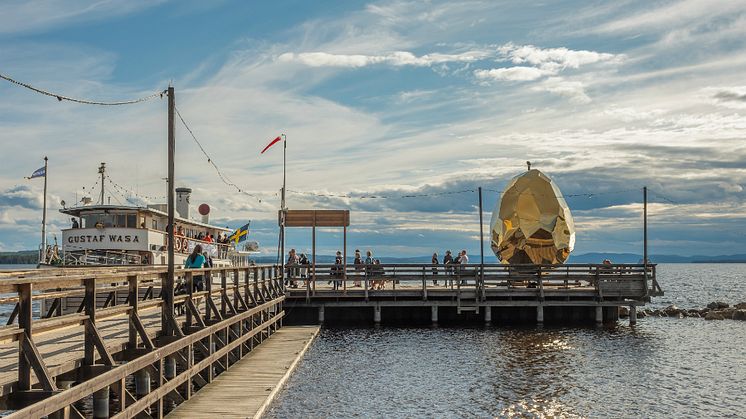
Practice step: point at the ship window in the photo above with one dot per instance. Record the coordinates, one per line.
(120, 220)
(155, 225)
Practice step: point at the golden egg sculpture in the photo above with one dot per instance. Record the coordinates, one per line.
(532, 222)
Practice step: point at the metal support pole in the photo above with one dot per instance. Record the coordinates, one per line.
(167, 311)
(599, 314)
(142, 383)
(487, 314)
(377, 314)
(481, 242)
(321, 314)
(101, 403)
(632, 315)
(43, 251)
(434, 314)
(539, 314)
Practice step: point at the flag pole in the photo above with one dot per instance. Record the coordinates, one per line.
(282, 204)
(43, 251)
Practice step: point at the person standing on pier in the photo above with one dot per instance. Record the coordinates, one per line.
(447, 262)
(291, 269)
(358, 267)
(435, 268)
(463, 259)
(196, 261)
(337, 271)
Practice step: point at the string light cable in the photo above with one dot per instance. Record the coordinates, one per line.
(227, 181)
(378, 196)
(60, 97)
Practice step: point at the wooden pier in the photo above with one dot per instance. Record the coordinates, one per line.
(492, 292)
(170, 345)
(248, 389)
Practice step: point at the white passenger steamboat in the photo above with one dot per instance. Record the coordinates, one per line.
(137, 235)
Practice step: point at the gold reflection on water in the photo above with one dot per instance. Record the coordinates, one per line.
(532, 222)
(538, 408)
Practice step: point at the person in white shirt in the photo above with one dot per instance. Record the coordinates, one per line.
(463, 259)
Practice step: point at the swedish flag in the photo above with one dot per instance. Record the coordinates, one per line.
(240, 234)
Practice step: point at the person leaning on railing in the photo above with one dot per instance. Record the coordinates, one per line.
(196, 260)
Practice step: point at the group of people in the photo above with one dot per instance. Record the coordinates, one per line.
(448, 261)
(222, 238)
(298, 267)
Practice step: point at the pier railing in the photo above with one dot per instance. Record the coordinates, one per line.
(634, 281)
(214, 325)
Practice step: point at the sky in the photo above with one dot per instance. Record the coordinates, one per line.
(386, 98)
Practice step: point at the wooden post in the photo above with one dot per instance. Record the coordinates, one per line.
(540, 314)
(24, 322)
(208, 288)
(90, 311)
(167, 291)
(189, 284)
(134, 300)
(599, 314)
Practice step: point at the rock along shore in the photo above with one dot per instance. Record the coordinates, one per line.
(716, 310)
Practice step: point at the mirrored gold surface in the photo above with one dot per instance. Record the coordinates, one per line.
(532, 222)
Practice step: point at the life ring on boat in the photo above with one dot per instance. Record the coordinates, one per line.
(177, 244)
(185, 245)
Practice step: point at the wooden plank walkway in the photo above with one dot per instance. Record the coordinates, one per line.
(247, 389)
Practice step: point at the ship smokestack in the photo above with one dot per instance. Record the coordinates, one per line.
(182, 202)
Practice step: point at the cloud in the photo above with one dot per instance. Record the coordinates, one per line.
(546, 64)
(574, 90)
(396, 58)
(42, 15)
(21, 196)
(671, 14)
(736, 94)
(518, 73)
(554, 59)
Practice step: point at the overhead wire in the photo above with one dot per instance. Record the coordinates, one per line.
(61, 97)
(227, 181)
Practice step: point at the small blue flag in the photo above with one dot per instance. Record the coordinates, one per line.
(40, 172)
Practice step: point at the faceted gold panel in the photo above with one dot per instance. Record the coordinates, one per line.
(532, 222)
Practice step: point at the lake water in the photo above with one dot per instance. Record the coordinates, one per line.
(662, 367)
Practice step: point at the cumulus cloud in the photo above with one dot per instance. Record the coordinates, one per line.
(518, 73)
(21, 196)
(396, 58)
(553, 59)
(545, 64)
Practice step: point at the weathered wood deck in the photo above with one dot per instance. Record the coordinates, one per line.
(250, 386)
(121, 323)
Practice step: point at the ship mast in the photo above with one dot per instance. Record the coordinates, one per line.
(102, 171)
